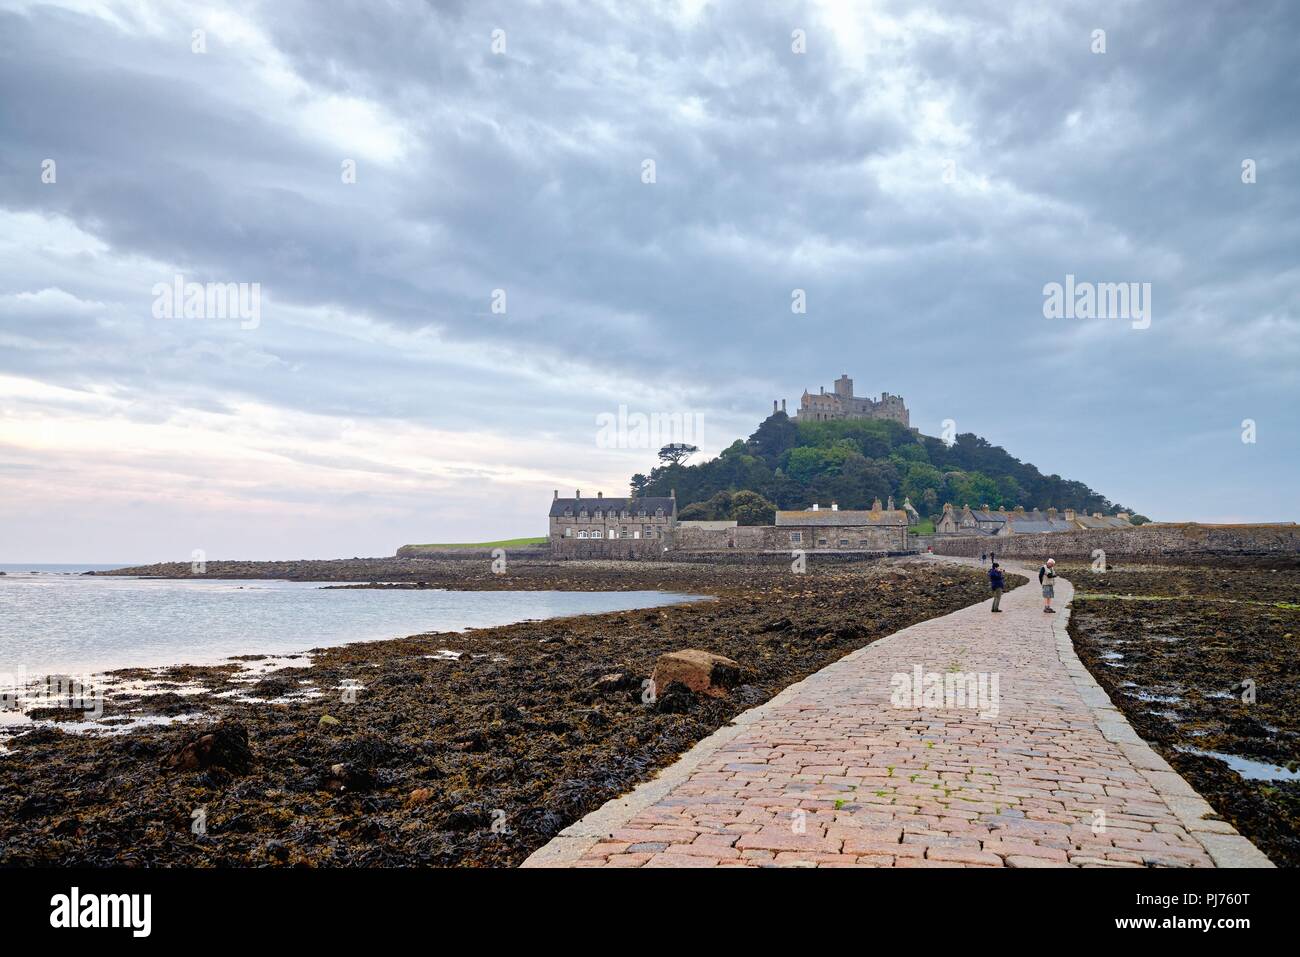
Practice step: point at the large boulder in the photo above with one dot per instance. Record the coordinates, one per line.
(701, 671)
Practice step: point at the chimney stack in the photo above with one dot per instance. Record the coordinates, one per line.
(783, 405)
(774, 406)
(1051, 514)
(577, 493)
(890, 506)
(814, 508)
(557, 494)
(672, 493)
(600, 495)
(875, 506)
(1069, 515)
(835, 507)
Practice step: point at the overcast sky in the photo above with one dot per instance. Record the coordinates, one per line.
(920, 171)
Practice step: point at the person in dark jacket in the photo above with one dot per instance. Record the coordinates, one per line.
(997, 583)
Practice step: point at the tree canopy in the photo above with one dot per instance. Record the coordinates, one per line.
(787, 464)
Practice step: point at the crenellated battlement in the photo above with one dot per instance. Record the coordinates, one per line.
(841, 403)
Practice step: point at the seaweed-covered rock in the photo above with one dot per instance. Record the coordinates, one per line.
(508, 712)
(472, 742)
(674, 699)
(347, 777)
(274, 686)
(615, 681)
(467, 817)
(224, 746)
(40, 805)
(370, 750)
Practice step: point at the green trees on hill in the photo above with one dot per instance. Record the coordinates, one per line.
(745, 507)
(853, 462)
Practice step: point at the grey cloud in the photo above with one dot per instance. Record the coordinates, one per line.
(522, 172)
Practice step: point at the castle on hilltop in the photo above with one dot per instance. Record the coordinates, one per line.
(843, 404)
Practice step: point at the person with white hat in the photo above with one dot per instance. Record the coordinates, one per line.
(1047, 578)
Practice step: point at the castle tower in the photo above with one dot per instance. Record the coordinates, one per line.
(841, 403)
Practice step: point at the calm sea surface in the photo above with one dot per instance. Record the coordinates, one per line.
(58, 621)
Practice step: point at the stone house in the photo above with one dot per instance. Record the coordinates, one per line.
(1017, 521)
(647, 527)
(611, 527)
(880, 529)
(967, 521)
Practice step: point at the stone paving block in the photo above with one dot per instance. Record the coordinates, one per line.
(783, 839)
(1024, 861)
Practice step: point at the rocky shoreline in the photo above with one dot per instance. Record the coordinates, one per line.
(467, 571)
(454, 749)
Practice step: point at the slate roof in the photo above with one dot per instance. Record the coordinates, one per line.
(1106, 521)
(1033, 526)
(1034, 521)
(841, 517)
(634, 505)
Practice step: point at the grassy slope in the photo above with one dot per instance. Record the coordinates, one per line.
(504, 543)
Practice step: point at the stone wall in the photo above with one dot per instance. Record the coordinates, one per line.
(1188, 540)
(629, 548)
(777, 538)
(743, 537)
(474, 554)
(784, 559)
